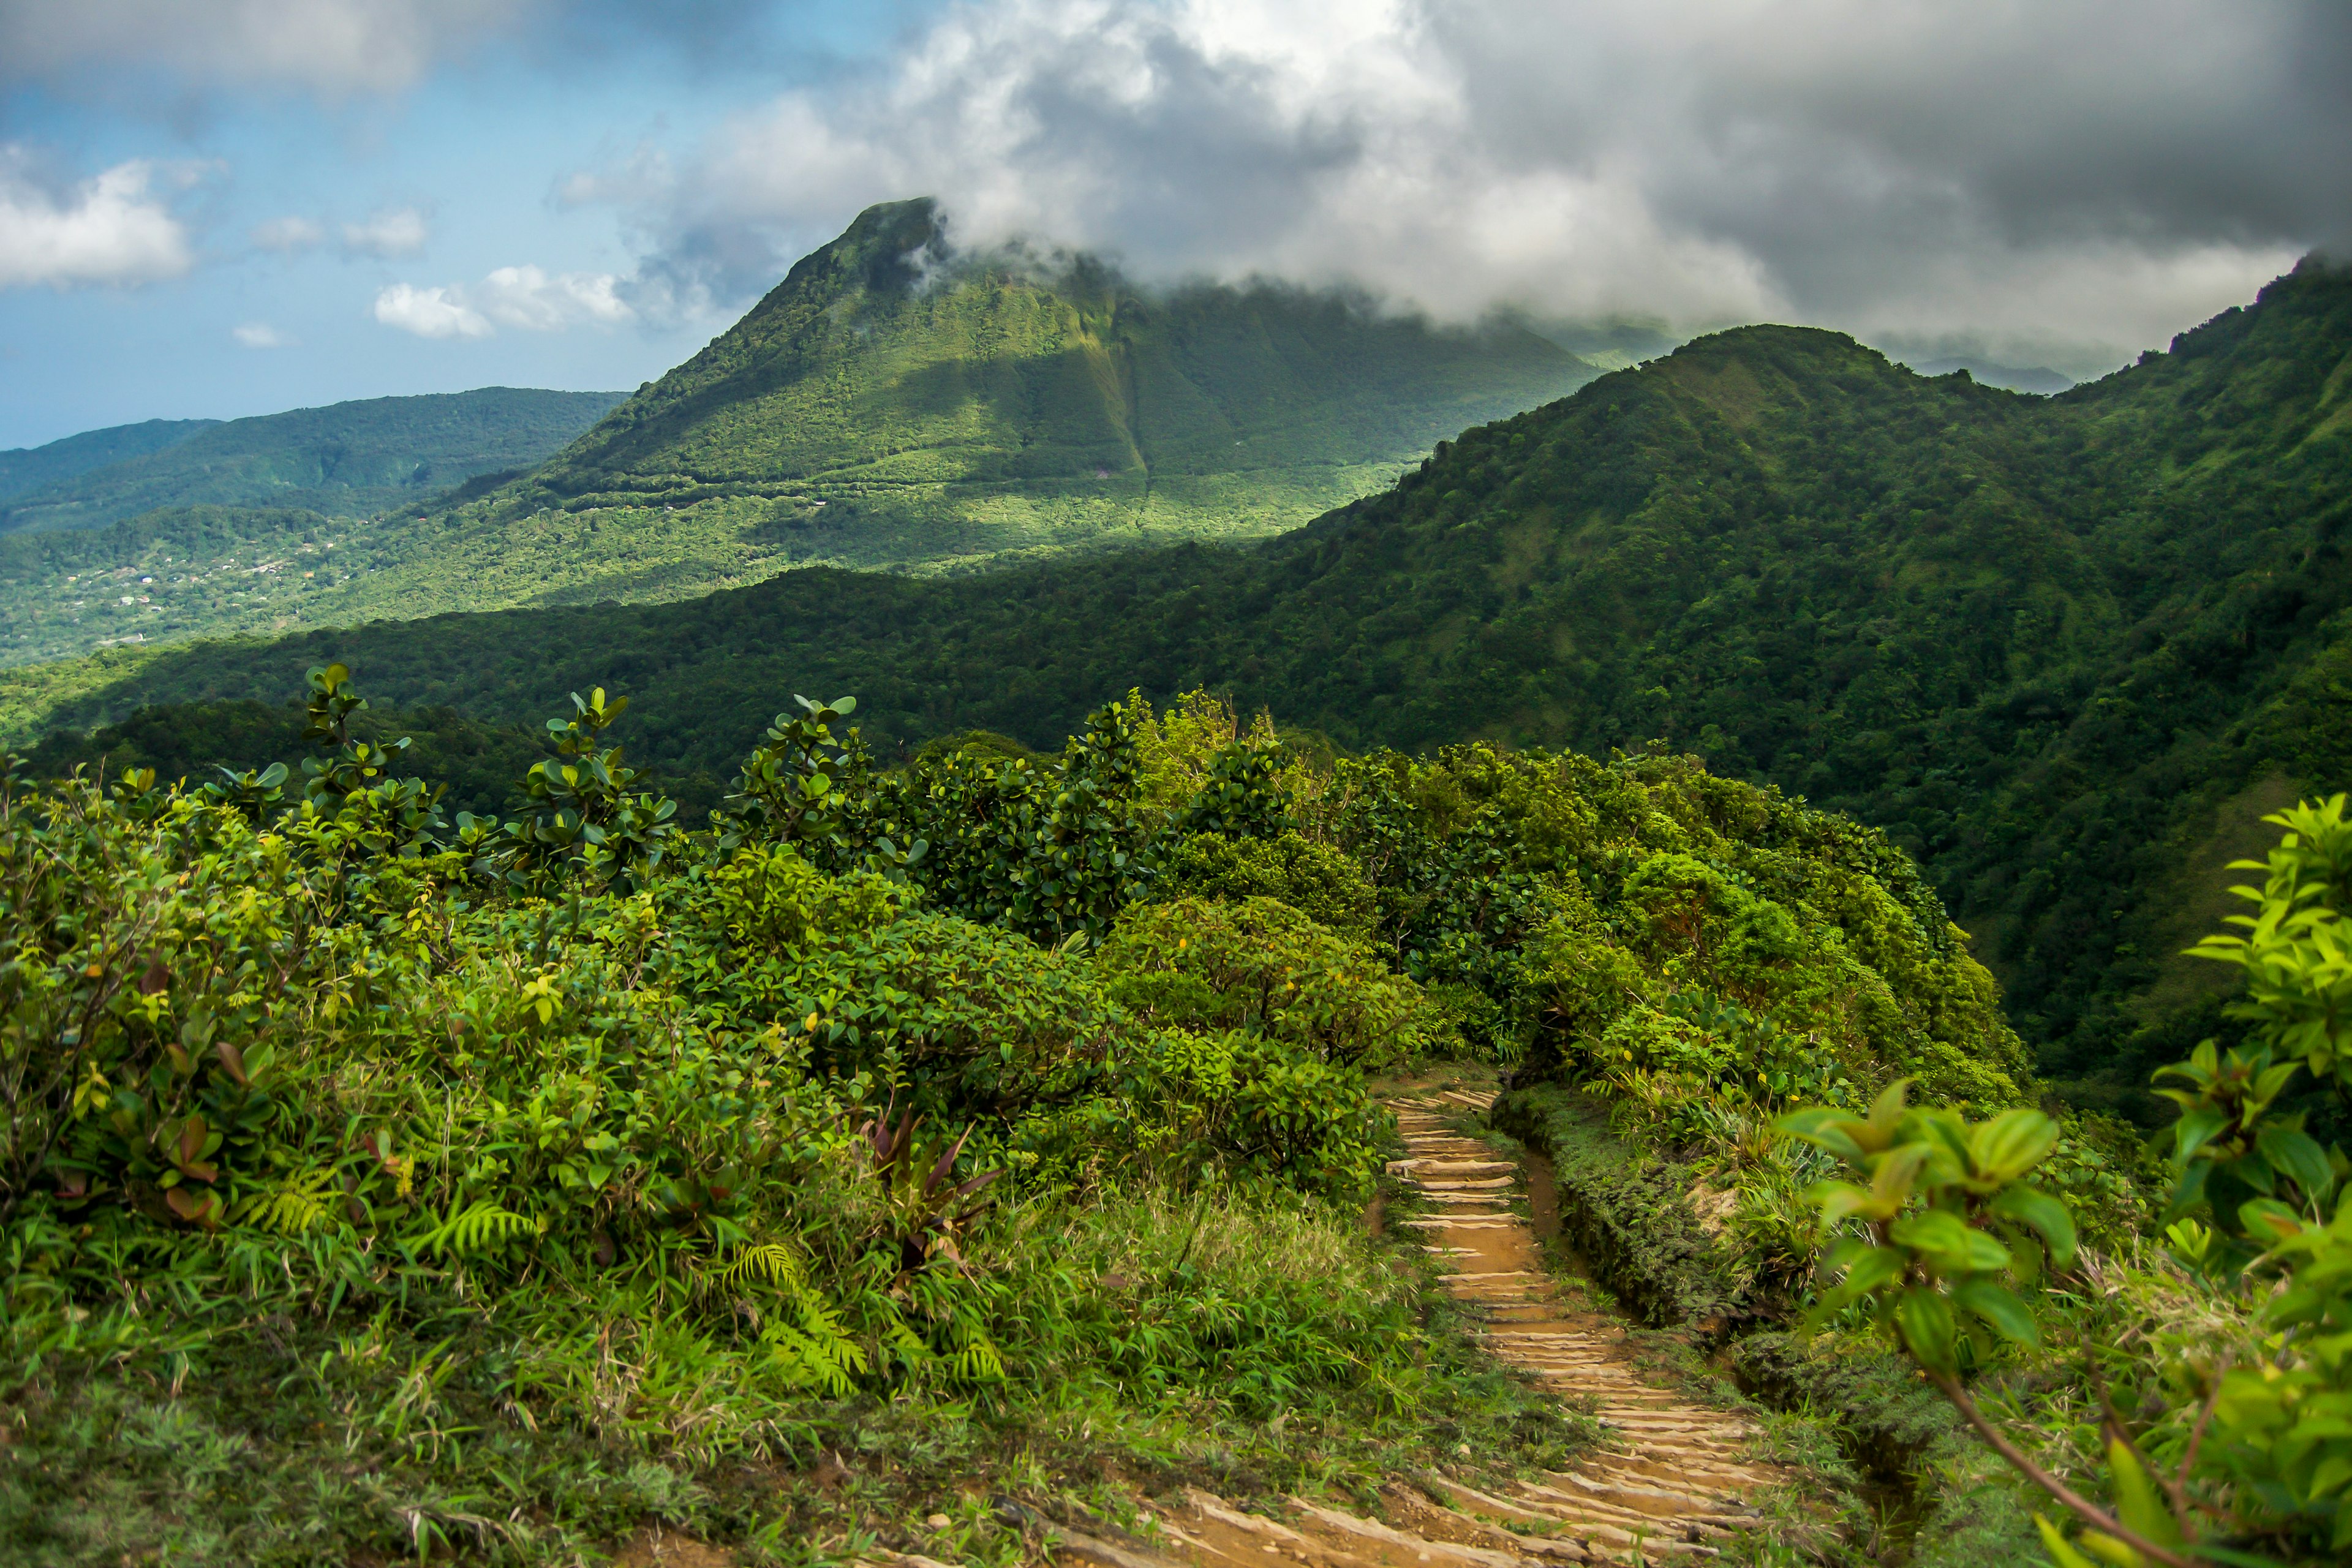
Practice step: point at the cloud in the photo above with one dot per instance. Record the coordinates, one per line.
(262, 335)
(330, 47)
(526, 298)
(287, 234)
(2073, 178)
(392, 232)
(429, 312)
(104, 230)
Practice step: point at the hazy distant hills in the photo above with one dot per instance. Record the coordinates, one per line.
(25, 468)
(200, 527)
(2066, 649)
(350, 459)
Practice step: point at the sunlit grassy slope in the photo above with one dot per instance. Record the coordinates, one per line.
(891, 404)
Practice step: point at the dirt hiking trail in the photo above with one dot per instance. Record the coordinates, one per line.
(1672, 1484)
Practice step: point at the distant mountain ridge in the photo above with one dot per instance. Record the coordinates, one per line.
(347, 460)
(26, 468)
(2037, 378)
(891, 404)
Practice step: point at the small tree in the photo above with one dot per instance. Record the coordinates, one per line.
(1956, 1237)
(581, 815)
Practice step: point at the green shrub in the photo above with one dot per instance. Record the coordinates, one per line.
(1318, 880)
(1186, 1110)
(1627, 1212)
(1258, 964)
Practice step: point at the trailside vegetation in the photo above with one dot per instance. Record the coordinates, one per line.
(379, 1179)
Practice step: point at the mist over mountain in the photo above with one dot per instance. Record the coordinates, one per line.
(896, 403)
(891, 404)
(2009, 378)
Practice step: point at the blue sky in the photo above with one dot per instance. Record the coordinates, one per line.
(444, 179)
(217, 207)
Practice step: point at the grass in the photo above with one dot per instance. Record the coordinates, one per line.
(1152, 1339)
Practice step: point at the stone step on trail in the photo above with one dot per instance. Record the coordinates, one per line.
(1670, 1489)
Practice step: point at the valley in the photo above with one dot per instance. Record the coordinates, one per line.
(1427, 785)
(1761, 764)
(2017, 632)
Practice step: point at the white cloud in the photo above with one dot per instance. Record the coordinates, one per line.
(287, 234)
(262, 335)
(331, 47)
(429, 312)
(526, 298)
(2073, 176)
(105, 230)
(392, 232)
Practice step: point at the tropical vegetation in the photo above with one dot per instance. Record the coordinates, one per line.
(2068, 652)
(349, 459)
(417, 1180)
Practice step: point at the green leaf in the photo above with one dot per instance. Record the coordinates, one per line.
(2189, 1190)
(2107, 1549)
(1925, 1320)
(1879, 1267)
(2000, 1310)
(2197, 1126)
(1826, 1128)
(2300, 1157)
(1885, 1116)
(2047, 1216)
(2012, 1143)
(2061, 1551)
(1950, 1242)
(2137, 1505)
(2269, 1221)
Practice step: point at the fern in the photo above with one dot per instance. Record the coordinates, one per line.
(812, 1350)
(479, 1226)
(773, 1261)
(976, 1361)
(293, 1209)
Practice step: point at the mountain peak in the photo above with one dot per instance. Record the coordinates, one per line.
(877, 251)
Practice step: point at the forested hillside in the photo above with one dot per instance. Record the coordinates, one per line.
(160, 531)
(2064, 649)
(350, 459)
(896, 403)
(890, 405)
(35, 468)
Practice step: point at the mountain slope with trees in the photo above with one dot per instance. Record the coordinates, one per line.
(35, 467)
(198, 528)
(349, 459)
(894, 403)
(891, 404)
(2066, 650)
